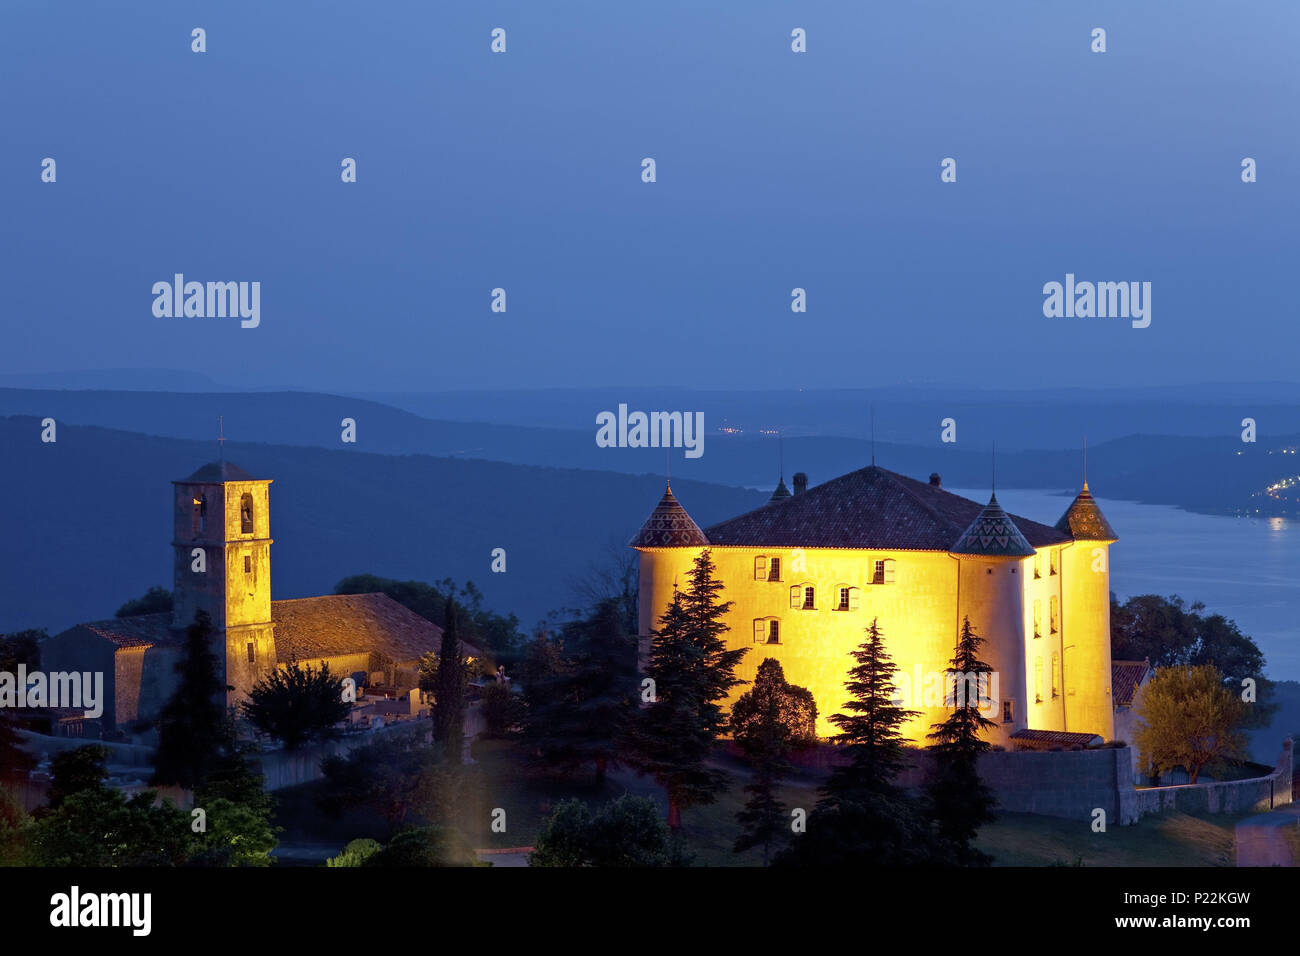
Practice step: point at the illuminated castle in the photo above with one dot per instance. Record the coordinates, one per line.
(809, 571)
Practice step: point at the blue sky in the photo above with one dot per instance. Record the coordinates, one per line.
(775, 170)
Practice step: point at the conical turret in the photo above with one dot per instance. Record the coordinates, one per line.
(669, 526)
(993, 534)
(1084, 521)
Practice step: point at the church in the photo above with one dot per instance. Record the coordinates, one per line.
(809, 571)
(221, 543)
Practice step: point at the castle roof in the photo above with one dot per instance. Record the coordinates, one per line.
(993, 533)
(781, 491)
(217, 471)
(870, 508)
(1084, 521)
(669, 526)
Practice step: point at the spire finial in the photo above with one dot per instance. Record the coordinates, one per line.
(780, 445)
(1085, 462)
(668, 470)
(221, 438)
(995, 469)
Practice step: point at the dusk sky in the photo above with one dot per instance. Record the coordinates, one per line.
(775, 170)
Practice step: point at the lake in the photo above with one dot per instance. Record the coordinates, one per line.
(1247, 569)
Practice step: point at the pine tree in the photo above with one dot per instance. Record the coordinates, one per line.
(579, 706)
(449, 704)
(693, 672)
(194, 732)
(863, 818)
(961, 800)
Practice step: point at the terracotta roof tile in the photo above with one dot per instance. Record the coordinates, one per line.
(1045, 739)
(1125, 678)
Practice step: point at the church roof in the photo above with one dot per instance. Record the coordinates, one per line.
(144, 630)
(669, 526)
(868, 508)
(336, 624)
(307, 629)
(218, 471)
(781, 492)
(1084, 521)
(993, 533)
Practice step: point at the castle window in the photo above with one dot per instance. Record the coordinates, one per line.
(884, 572)
(802, 597)
(1051, 556)
(252, 653)
(774, 569)
(1038, 566)
(1038, 619)
(1052, 613)
(760, 568)
(1038, 680)
(767, 630)
(848, 598)
(1056, 676)
(199, 514)
(248, 564)
(246, 514)
(774, 631)
(1008, 711)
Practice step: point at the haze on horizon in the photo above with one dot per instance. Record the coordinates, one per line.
(775, 171)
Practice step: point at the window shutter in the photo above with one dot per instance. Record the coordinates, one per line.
(889, 570)
(760, 568)
(760, 631)
(853, 598)
(796, 596)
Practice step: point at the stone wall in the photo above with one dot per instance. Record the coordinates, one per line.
(1230, 796)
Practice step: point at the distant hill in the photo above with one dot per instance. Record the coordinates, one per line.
(909, 415)
(1214, 475)
(93, 512)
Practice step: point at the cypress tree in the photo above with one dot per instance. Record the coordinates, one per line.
(449, 704)
(962, 802)
(194, 732)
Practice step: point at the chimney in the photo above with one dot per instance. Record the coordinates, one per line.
(934, 480)
(800, 483)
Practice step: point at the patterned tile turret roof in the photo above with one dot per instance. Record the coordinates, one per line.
(669, 526)
(993, 533)
(1084, 521)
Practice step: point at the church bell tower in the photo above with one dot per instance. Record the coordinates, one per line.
(222, 565)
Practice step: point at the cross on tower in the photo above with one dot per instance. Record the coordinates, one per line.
(221, 438)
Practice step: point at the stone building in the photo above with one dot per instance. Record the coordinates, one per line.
(222, 565)
(809, 571)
